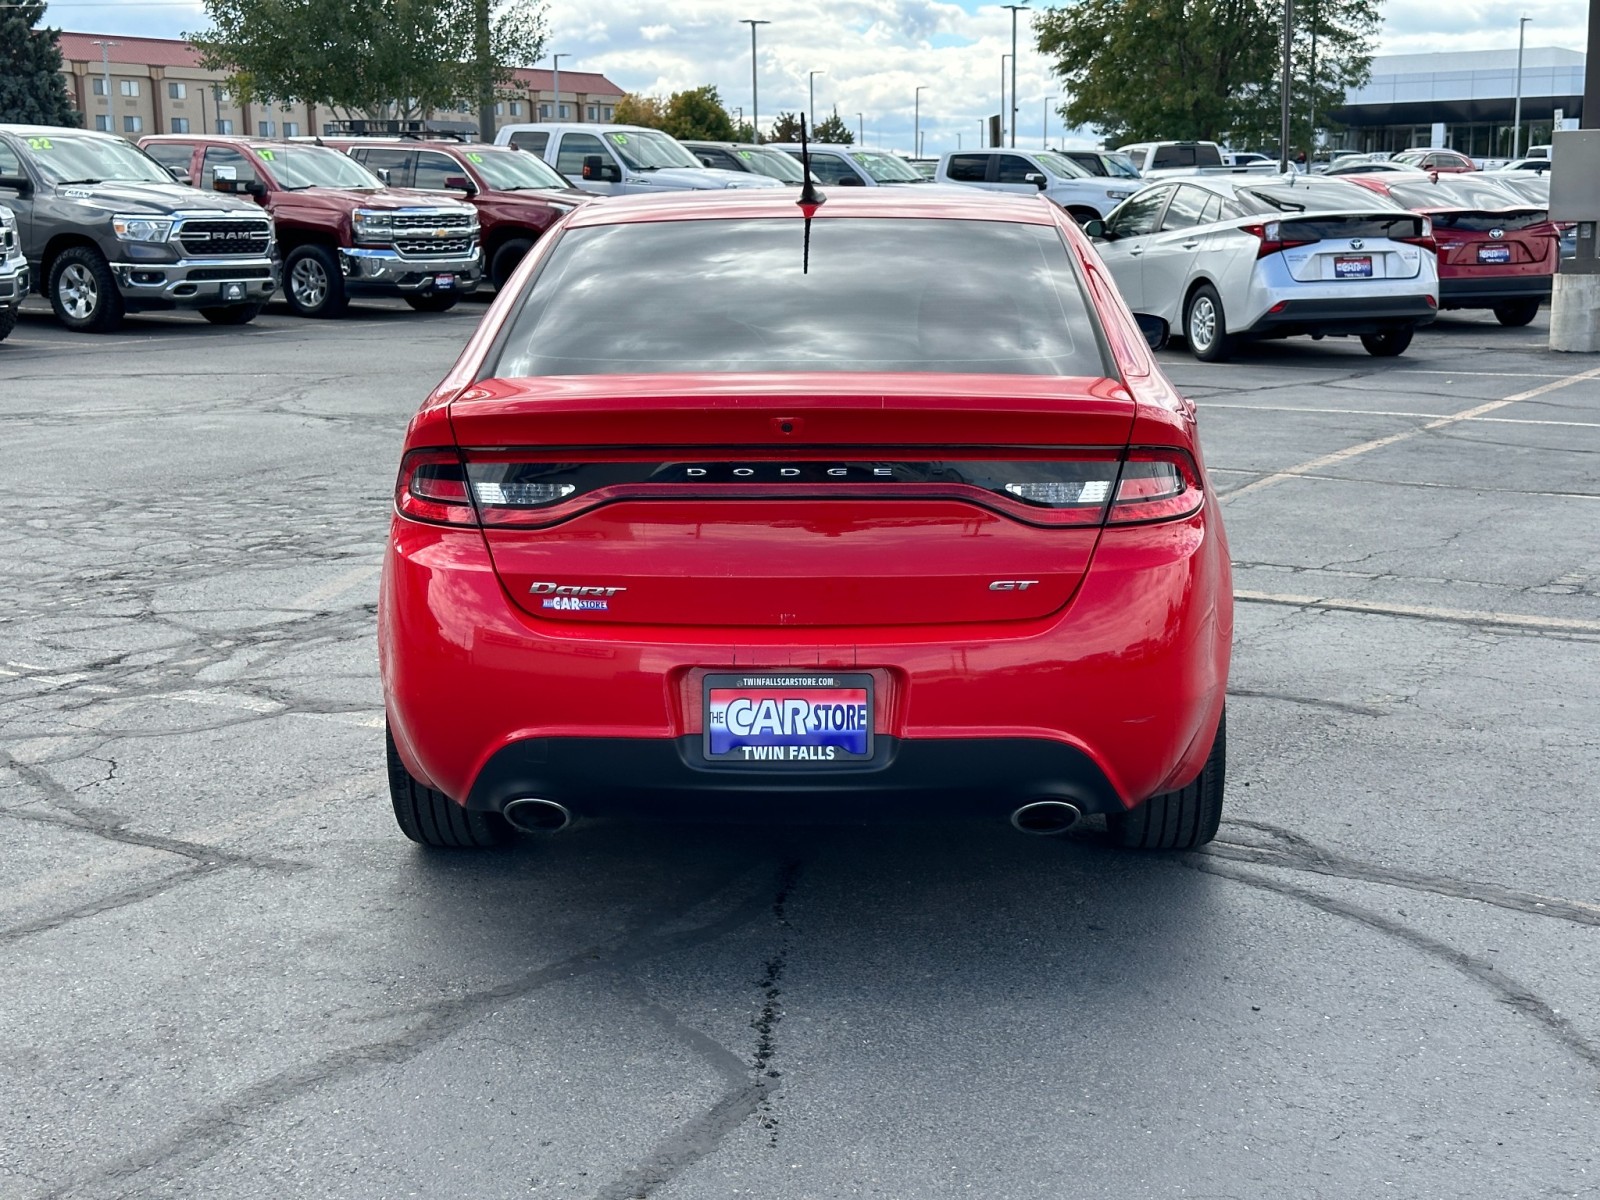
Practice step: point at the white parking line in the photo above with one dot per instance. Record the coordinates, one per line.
(1381, 412)
(1467, 414)
(1463, 615)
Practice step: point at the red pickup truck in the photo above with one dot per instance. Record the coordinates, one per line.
(518, 196)
(340, 230)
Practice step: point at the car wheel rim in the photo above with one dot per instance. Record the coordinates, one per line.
(78, 291)
(1202, 322)
(309, 282)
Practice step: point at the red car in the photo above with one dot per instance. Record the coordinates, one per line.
(739, 504)
(1495, 251)
(1445, 162)
(518, 196)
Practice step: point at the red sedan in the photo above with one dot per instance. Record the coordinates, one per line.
(873, 508)
(1496, 250)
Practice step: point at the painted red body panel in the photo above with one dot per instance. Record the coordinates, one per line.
(1123, 654)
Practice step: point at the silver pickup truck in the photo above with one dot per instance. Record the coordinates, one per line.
(106, 230)
(1155, 160)
(13, 273)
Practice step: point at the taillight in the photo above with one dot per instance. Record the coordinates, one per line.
(1425, 239)
(433, 487)
(1156, 485)
(1275, 238)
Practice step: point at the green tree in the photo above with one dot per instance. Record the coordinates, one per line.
(832, 129)
(32, 88)
(637, 109)
(699, 114)
(377, 58)
(786, 128)
(1208, 69)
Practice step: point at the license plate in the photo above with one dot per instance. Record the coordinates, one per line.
(1353, 267)
(444, 282)
(788, 720)
(1494, 254)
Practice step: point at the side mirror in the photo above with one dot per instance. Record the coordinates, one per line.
(460, 183)
(224, 179)
(1038, 180)
(850, 181)
(383, 174)
(1095, 228)
(597, 170)
(705, 160)
(1155, 330)
(20, 184)
(255, 188)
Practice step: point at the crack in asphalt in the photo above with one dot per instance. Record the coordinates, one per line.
(1293, 852)
(1360, 710)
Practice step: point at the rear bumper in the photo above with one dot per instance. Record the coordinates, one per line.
(1348, 315)
(1486, 292)
(196, 282)
(1112, 699)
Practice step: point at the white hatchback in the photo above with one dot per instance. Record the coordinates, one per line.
(1222, 259)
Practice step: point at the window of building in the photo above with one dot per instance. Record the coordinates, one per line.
(499, 109)
(265, 128)
(177, 91)
(132, 124)
(291, 129)
(100, 86)
(103, 123)
(224, 125)
(594, 112)
(516, 108)
(565, 113)
(128, 87)
(544, 112)
(180, 125)
(609, 112)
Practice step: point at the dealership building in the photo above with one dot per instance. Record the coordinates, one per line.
(1472, 94)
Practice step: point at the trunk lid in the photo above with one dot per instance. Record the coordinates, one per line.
(804, 501)
(1353, 247)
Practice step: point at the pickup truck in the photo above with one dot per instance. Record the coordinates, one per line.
(1157, 159)
(13, 273)
(839, 165)
(622, 160)
(518, 196)
(341, 230)
(106, 231)
(1084, 195)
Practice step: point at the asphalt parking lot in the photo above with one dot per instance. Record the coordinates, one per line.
(225, 973)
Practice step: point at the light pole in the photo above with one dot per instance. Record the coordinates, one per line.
(755, 103)
(1015, 9)
(1004, 116)
(811, 89)
(1288, 43)
(1044, 125)
(861, 129)
(1516, 121)
(555, 82)
(916, 121)
(105, 75)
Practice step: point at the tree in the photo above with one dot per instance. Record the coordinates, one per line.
(32, 88)
(1206, 69)
(833, 130)
(699, 114)
(786, 128)
(637, 109)
(378, 58)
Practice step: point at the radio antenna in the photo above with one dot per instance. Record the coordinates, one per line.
(808, 190)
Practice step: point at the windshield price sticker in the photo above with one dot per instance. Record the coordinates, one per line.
(38, 143)
(743, 153)
(799, 719)
(620, 139)
(477, 158)
(266, 154)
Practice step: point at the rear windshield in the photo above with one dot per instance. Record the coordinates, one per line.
(1322, 195)
(1186, 154)
(894, 294)
(1478, 197)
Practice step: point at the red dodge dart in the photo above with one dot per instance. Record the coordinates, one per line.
(866, 505)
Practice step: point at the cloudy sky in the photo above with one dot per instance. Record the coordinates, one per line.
(874, 53)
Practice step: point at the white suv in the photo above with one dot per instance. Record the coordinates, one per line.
(1083, 195)
(623, 160)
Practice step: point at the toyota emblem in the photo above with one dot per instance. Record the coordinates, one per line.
(1497, 233)
(1355, 243)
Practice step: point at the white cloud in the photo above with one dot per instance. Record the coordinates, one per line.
(1420, 26)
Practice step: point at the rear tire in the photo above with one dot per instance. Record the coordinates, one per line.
(1389, 344)
(312, 283)
(506, 259)
(232, 314)
(83, 292)
(1179, 820)
(432, 818)
(432, 302)
(8, 322)
(1516, 313)
(1205, 326)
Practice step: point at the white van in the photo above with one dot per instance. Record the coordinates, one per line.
(623, 160)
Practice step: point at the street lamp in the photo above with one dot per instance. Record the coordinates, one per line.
(861, 129)
(1004, 58)
(811, 88)
(1044, 125)
(555, 81)
(755, 103)
(1015, 9)
(916, 119)
(1516, 121)
(105, 75)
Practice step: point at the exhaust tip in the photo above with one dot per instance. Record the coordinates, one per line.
(1045, 817)
(533, 815)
